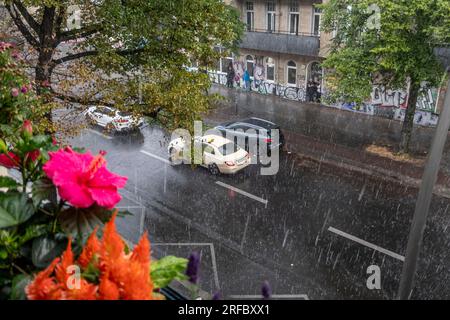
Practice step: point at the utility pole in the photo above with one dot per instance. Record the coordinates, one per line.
(236, 100)
(424, 200)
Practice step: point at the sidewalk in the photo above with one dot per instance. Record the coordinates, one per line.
(338, 138)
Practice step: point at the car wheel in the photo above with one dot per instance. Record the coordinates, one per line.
(213, 169)
(90, 121)
(172, 153)
(110, 128)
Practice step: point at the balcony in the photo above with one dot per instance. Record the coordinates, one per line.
(301, 44)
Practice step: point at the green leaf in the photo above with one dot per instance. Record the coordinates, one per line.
(44, 189)
(8, 182)
(91, 274)
(82, 222)
(45, 249)
(33, 231)
(15, 208)
(165, 270)
(19, 284)
(3, 254)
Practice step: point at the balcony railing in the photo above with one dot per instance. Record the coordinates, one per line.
(305, 44)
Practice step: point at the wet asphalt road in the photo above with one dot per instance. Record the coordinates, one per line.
(311, 231)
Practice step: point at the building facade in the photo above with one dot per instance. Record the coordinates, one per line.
(282, 44)
(282, 49)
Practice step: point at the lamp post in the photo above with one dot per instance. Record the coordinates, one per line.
(424, 200)
(236, 101)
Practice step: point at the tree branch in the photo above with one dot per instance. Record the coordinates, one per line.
(92, 53)
(22, 27)
(74, 57)
(79, 33)
(27, 16)
(79, 100)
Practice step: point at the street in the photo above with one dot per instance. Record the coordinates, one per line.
(310, 230)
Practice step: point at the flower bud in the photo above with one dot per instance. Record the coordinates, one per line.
(27, 128)
(15, 92)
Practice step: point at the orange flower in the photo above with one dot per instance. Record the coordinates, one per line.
(122, 276)
(90, 251)
(44, 287)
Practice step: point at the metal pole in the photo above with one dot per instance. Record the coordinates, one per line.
(236, 101)
(424, 200)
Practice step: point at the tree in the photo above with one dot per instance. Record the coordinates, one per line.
(131, 54)
(386, 42)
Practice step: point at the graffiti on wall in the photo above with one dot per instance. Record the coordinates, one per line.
(264, 87)
(383, 102)
(399, 98)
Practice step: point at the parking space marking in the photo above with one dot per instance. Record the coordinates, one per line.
(155, 156)
(213, 256)
(100, 134)
(244, 193)
(274, 296)
(367, 244)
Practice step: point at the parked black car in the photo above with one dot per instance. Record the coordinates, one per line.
(259, 130)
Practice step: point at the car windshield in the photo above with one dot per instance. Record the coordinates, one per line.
(228, 148)
(124, 114)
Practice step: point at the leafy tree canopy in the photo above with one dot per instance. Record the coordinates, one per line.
(386, 42)
(130, 53)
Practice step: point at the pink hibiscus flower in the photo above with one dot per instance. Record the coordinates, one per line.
(83, 179)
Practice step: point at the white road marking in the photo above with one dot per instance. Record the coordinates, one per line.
(213, 256)
(155, 156)
(244, 193)
(100, 134)
(367, 244)
(275, 296)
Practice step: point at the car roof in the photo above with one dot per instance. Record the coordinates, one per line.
(260, 123)
(215, 140)
(253, 122)
(106, 107)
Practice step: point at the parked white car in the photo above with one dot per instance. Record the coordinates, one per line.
(220, 155)
(113, 119)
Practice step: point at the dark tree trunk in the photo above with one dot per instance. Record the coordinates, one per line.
(44, 67)
(408, 123)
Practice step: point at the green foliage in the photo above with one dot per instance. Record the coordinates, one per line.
(8, 183)
(15, 208)
(18, 101)
(167, 269)
(81, 223)
(399, 49)
(46, 248)
(18, 286)
(135, 52)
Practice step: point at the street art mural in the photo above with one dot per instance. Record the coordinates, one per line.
(383, 102)
(264, 87)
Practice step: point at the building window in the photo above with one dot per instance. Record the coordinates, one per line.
(250, 16)
(292, 73)
(294, 17)
(316, 21)
(271, 14)
(270, 69)
(250, 65)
